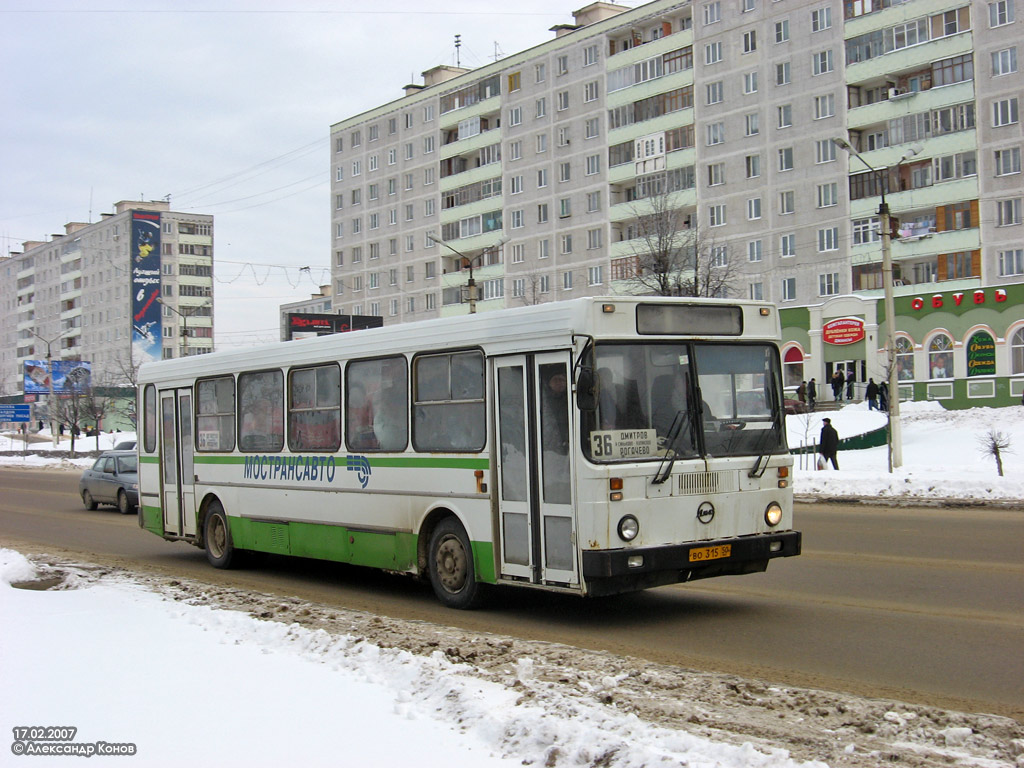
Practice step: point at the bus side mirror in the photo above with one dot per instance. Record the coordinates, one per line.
(586, 396)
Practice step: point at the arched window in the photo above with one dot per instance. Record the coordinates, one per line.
(904, 359)
(1017, 351)
(940, 357)
(793, 367)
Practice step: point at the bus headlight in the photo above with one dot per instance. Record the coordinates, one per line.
(628, 528)
(773, 514)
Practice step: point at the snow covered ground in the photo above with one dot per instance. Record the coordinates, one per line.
(186, 672)
(163, 671)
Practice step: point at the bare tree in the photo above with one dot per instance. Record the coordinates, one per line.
(671, 255)
(126, 376)
(995, 444)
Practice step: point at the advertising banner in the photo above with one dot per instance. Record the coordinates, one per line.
(307, 325)
(981, 355)
(845, 330)
(67, 375)
(147, 333)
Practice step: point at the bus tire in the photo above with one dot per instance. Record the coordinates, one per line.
(451, 566)
(220, 552)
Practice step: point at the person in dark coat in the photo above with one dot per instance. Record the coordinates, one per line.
(850, 380)
(883, 397)
(801, 392)
(871, 393)
(812, 393)
(828, 442)
(837, 385)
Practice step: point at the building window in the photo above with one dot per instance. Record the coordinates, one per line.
(516, 219)
(1004, 62)
(714, 92)
(828, 239)
(866, 231)
(595, 275)
(1000, 13)
(1011, 263)
(821, 62)
(787, 202)
(750, 41)
(716, 216)
(590, 91)
(789, 289)
(563, 101)
(753, 124)
(824, 151)
(713, 12)
(516, 185)
(1008, 212)
(593, 202)
(567, 244)
(750, 82)
(514, 82)
(564, 171)
(753, 163)
(565, 208)
(567, 281)
(593, 239)
(754, 209)
(782, 73)
(828, 195)
(542, 213)
(593, 164)
(562, 65)
(828, 284)
(786, 159)
(716, 174)
(518, 287)
(592, 128)
(755, 251)
(716, 133)
(782, 31)
(515, 116)
(540, 72)
(785, 112)
(1004, 112)
(757, 291)
(787, 245)
(821, 18)
(824, 106)
(940, 357)
(1007, 161)
(713, 53)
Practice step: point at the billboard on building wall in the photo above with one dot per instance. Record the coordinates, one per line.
(306, 325)
(67, 375)
(147, 333)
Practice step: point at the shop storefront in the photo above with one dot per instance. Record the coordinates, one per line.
(961, 348)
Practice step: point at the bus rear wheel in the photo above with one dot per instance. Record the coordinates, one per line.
(451, 566)
(220, 552)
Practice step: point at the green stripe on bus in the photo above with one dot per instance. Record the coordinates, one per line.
(390, 551)
(152, 519)
(421, 462)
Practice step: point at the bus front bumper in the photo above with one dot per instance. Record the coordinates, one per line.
(609, 572)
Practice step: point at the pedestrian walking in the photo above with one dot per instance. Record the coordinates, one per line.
(837, 385)
(850, 381)
(828, 443)
(812, 393)
(871, 393)
(801, 392)
(883, 397)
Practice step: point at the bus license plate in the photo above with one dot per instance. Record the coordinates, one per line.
(710, 553)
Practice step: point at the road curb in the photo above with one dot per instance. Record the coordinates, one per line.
(911, 501)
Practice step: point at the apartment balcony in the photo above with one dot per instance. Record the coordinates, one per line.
(881, 112)
(476, 208)
(918, 246)
(640, 91)
(647, 127)
(470, 176)
(481, 108)
(472, 144)
(917, 199)
(627, 211)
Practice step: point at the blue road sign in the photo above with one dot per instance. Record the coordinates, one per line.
(14, 412)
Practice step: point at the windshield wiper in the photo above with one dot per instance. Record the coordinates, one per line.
(671, 439)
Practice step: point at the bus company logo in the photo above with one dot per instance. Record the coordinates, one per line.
(361, 466)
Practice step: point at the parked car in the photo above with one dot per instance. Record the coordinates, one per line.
(125, 445)
(112, 479)
(795, 406)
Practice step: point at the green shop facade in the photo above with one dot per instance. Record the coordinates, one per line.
(961, 348)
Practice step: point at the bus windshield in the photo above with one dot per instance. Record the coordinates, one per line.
(684, 400)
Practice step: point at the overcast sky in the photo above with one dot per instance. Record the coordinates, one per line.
(226, 107)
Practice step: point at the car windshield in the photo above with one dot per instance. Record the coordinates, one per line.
(128, 464)
(683, 400)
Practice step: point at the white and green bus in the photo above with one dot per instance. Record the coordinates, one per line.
(592, 447)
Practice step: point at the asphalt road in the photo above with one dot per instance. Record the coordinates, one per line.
(920, 605)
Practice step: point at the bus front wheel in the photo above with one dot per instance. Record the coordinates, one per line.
(217, 537)
(451, 566)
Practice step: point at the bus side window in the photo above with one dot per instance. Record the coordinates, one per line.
(314, 411)
(376, 405)
(150, 418)
(261, 400)
(215, 417)
(449, 397)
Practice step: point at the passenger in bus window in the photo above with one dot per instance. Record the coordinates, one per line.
(554, 411)
(360, 419)
(389, 407)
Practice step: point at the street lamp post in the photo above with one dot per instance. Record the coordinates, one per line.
(50, 406)
(885, 222)
(471, 284)
(184, 323)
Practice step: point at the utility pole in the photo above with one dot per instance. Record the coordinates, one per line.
(469, 260)
(51, 408)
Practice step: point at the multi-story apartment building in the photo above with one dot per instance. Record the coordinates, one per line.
(536, 171)
(92, 293)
